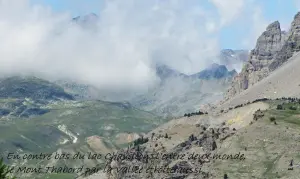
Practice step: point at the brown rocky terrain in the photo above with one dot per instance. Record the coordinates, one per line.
(197, 134)
(256, 141)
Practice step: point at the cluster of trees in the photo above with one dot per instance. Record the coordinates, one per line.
(140, 141)
(194, 114)
(293, 108)
(258, 114)
(290, 99)
(257, 100)
(238, 106)
(280, 107)
(192, 138)
(261, 99)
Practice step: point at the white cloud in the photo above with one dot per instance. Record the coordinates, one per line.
(229, 10)
(258, 25)
(131, 36)
(211, 27)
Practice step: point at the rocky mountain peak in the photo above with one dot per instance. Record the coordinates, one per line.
(273, 48)
(290, 46)
(297, 16)
(273, 26)
(215, 71)
(268, 43)
(295, 27)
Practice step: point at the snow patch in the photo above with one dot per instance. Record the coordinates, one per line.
(68, 112)
(64, 129)
(64, 141)
(109, 127)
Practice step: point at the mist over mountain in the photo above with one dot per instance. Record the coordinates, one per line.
(149, 77)
(233, 59)
(179, 93)
(114, 50)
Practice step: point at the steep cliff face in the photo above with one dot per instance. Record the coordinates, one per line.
(291, 45)
(273, 48)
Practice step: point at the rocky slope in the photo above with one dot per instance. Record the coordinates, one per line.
(273, 48)
(253, 141)
(283, 82)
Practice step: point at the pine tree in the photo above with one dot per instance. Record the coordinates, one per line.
(225, 176)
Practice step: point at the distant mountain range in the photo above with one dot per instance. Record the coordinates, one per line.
(179, 93)
(233, 59)
(215, 71)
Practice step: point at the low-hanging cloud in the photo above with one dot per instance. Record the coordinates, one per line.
(120, 52)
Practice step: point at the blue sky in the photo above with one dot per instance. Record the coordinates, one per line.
(230, 36)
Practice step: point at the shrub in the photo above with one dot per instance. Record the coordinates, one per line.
(272, 119)
(225, 176)
(152, 136)
(140, 141)
(4, 171)
(279, 107)
(293, 108)
(214, 145)
(192, 138)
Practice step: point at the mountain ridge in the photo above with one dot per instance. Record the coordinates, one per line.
(273, 48)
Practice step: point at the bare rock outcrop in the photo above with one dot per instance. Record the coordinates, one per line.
(291, 45)
(273, 48)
